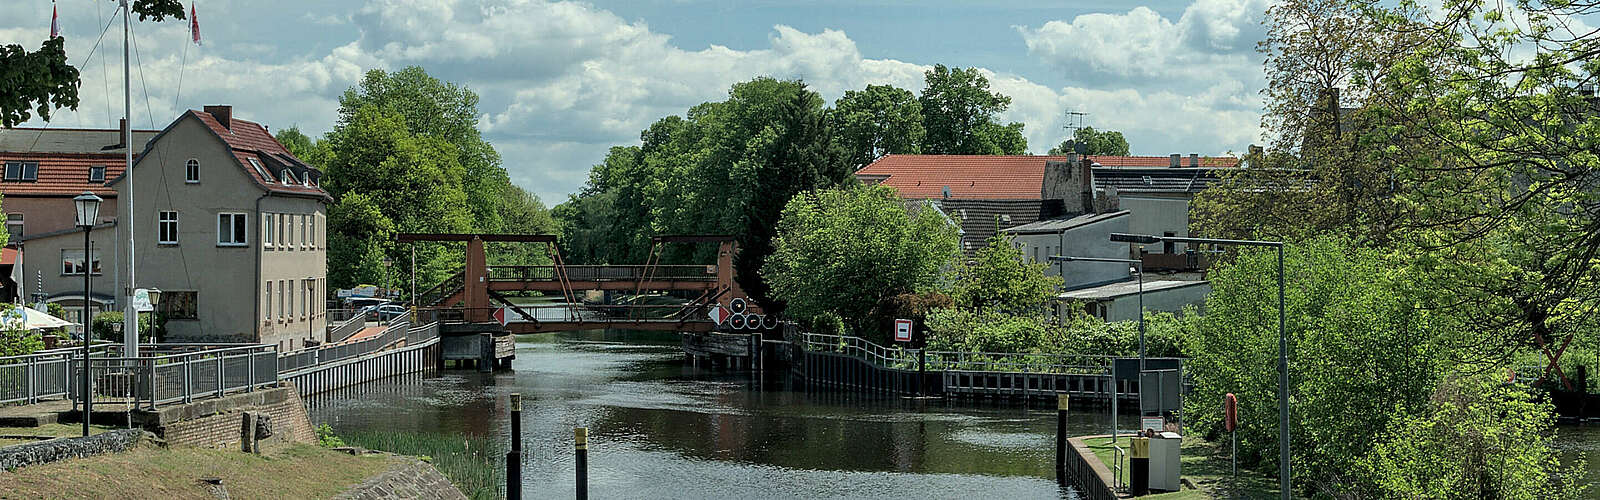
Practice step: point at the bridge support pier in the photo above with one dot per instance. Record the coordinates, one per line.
(486, 359)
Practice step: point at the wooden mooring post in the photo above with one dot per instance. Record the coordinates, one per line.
(514, 457)
(581, 459)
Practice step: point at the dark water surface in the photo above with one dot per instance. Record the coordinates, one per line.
(662, 429)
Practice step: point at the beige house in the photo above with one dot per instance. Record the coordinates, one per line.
(231, 227)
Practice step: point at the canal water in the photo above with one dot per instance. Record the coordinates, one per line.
(660, 428)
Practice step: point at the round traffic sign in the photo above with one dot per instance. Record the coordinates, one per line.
(737, 305)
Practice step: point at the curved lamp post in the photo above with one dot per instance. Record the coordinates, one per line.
(1283, 339)
(88, 209)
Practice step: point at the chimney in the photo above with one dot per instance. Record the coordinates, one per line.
(223, 114)
(1194, 159)
(1177, 160)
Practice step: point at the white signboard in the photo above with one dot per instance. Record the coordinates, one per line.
(141, 300)
(1157, 424)
(902, 330)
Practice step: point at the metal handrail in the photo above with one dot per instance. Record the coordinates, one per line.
(1116, 467)
(602, 272)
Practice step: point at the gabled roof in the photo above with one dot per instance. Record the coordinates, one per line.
(1059, 224)
(250, 141)
(1126, 288)
(979, 177)
(65, 157)
(1155, 180)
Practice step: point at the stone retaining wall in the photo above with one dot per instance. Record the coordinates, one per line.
(408, 480)
(43, 452)
(217, 423)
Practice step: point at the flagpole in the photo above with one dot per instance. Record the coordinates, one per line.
(130, 318)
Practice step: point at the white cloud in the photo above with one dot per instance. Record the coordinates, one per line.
(563, 81)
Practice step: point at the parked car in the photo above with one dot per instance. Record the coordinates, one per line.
(389, 312)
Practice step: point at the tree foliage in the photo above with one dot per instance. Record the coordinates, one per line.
(876, 121)
(839, 252)
(1095, 142)
(958, 115)
(1000, 279)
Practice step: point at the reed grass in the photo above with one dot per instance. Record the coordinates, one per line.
(474, 464)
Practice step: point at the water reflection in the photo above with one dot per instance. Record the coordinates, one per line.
(661, 428)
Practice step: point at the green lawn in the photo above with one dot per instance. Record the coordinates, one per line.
(298, 470)
(1205, 464)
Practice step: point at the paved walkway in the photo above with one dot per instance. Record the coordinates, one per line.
(371, 331)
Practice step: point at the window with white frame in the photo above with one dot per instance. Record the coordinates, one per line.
(232, 230)
(191, 171)
(72, 262)
(266, 230)
(288, 177)
(18, 171)
(260, 170)
(288, 230)
(14, 226)
(283, 304)
(167, 227)
(281, 220)
(97, 173)
(305, 231)
(266, 312)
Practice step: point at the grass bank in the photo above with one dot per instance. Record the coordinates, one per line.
(298, 470)
(1208, 465)
(475, 465)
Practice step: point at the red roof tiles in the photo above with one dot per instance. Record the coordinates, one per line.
(975, 177)
(63, 174)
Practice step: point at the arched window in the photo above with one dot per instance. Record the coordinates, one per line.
(191, 171)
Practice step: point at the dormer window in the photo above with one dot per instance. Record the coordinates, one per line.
(97, 173)
(191, 171)
(288, 177)
(261, 171)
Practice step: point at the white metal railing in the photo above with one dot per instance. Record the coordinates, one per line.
(1013, 362)
(292, 361)
(888, 357)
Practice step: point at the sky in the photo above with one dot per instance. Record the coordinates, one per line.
(561, 82)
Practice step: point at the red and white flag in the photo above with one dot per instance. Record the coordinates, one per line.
(55, 21)
(194, 24)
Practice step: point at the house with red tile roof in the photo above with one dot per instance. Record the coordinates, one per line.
(1018, 190)
(231, 227)
(44, 168)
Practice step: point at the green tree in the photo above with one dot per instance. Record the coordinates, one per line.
(445, 111)
(1095, 142)
(1000, 279)
(958, 115)
(877, 121)
(43, 80)
(841, 251)
(1479, 438)
(313, 152)
(1363, 354)
(360, 236)
(524, 213)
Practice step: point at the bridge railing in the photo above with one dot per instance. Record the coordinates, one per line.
(432, 296)
(998, 362)
(602, 273)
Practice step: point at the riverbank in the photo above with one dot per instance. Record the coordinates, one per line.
(1206, 465)
(306, 470)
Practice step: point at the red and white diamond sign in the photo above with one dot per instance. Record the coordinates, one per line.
(718, 314)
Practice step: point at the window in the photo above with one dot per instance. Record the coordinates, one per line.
(97, 173)
(180, 304)
(264, 175)
(232, 230)
(167, 228)
(191, 171)
(72, 262)
(17, 171)
(288, 233)
(282, 301)
(305, 303)
(291, 299)
(267, 227)
(288, 177)
(14, 226)
(267, 311)
(305, 230)
(283, 237)
(314, 235)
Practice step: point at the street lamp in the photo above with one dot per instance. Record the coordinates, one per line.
(1283, 338)
(88, 209)
(155, 305)
(1139, 266)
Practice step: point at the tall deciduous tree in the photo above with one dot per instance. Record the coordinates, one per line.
(999, 279)
(838, 252)
(958, 114)
(1095, 142)
(876, 121)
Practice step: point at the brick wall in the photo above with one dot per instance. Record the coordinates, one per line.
(220, 426)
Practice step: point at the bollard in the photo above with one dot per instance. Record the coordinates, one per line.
(514, 457)
(581, 448)
(1139, 466)
(1061, 438)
